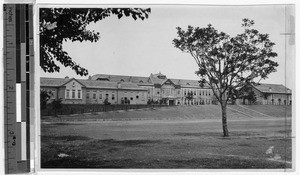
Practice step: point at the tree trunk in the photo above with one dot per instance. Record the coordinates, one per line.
(224, 120)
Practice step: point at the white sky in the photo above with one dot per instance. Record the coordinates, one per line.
(139, 48)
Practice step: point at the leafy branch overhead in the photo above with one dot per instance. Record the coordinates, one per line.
(61, 24)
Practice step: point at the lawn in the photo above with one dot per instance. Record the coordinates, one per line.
(165, 141)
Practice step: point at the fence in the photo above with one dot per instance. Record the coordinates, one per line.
(68, 109)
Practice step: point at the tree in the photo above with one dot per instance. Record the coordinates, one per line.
(251, 97)
(62, 24)
(227, 63)
(106, 102)
(247, 93)
(56, 105)
(44, 97)
(189, 96)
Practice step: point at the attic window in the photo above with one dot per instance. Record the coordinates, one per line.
(141, 81)
(122, 80)
(187, 83)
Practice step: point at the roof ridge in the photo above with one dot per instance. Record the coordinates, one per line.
(122, 75)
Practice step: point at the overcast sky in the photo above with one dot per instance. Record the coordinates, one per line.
(139, 48)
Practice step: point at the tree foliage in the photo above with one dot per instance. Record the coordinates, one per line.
(56, 105)
(61, 24)
(248, 93)
(44, 97)
(189, 96)
(227, 63)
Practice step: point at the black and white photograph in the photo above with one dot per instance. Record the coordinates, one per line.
(189, 87)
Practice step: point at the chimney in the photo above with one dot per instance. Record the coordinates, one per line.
(90, 77)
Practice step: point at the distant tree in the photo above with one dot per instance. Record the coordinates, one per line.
(228, 63)
(63, 24)
(251, 97)
(56, 105)
(106, 102)
(247, 93)
(189, 96)
(44, 97)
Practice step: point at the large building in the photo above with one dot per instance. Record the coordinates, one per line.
(118, 89)
(157, 88)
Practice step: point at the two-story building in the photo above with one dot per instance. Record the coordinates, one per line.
(157, 88)
(79, 91)
(166, 90)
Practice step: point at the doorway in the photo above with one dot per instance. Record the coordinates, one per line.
(171, 102)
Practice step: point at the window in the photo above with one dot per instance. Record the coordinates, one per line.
(137, 97)
(94, 95)
(131, 98)
(157, 92)
(194, 92)
(113, 96)
(100, 96)
(87, 94)
(106, 96)
(79, 93)
(68, 94)
(73, 93)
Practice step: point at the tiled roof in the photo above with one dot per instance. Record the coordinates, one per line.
(273, 88)
(53, 82)
(110, 85)
(188, 83)
(118, 78)
(146, 81)
(56, 82)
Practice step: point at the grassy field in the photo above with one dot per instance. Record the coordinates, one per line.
(180, 137)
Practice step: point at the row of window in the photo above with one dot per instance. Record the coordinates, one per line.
(186, 92)
(200, 92)
(101, 96)
(107, 96)
(73, 95)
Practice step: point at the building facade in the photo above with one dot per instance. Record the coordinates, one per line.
(157, 89)
(119, 89)
(77, 91)
(269, 94)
